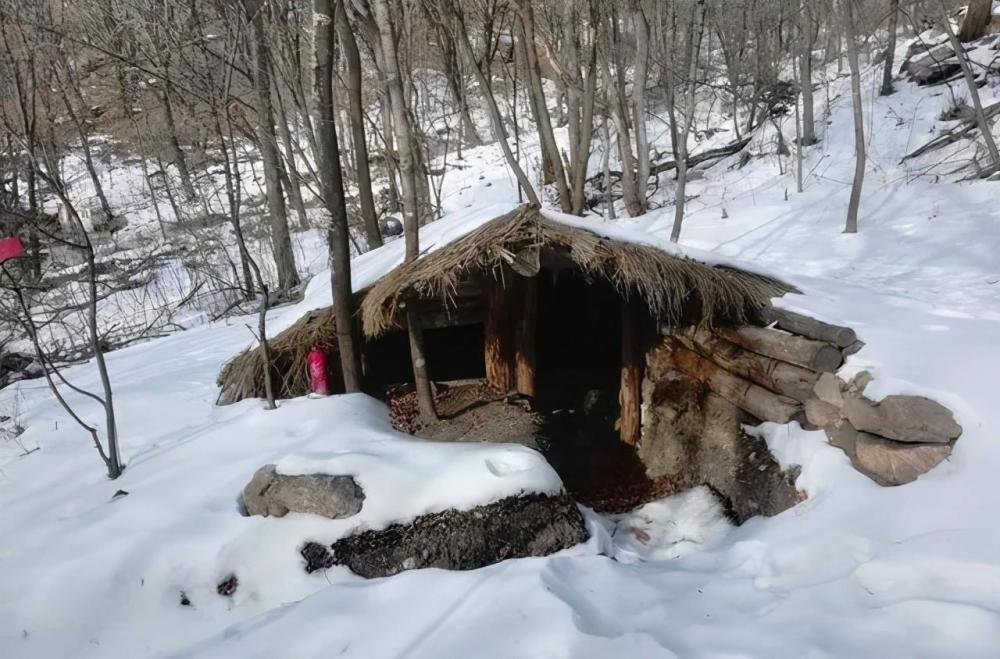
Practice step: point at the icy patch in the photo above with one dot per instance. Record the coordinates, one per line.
(670, 528)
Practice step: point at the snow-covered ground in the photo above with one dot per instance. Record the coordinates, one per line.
(856, 570)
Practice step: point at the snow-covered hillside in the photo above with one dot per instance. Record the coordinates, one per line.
(856, 570)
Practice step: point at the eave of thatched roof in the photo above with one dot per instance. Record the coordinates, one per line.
(664, 280)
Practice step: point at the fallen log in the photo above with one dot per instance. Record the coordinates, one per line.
(816, 355)
(808, 327)
(696, 159)
(778, 376)
(749, 397)
(953, 135)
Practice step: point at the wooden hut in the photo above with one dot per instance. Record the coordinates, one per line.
(530, 302)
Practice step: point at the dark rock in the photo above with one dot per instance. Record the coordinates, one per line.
(272, 494)
(935, 65)
(228, 586)
(391, 226)
(515, 527)
(15, 366)
(184, 599)
(317, 557)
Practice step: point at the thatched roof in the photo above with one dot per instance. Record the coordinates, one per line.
(243, 376)
(663, 280)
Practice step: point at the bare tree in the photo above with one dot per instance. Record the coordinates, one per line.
(890, 48)
(806, 73)
(970, 82)
(331, 178)
(461, 34)
(411, 204)
(352, 56)
(850, 30)
(978, 15)
(680, 134)
(281, 242)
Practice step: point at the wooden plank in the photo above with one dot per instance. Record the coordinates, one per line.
(632, 370)
(498, 337)
(524, 336)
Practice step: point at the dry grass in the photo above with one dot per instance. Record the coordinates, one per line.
(665, 282)
(243, 376)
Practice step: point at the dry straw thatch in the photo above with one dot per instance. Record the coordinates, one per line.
(243, 376)
(664, 281)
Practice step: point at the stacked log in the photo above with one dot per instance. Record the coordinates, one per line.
(784, 369)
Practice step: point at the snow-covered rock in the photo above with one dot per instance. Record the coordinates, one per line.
(275, 495)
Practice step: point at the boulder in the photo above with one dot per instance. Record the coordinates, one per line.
(859, 382)
(827, 389)
(515, 527)
(845, 437)
(272, 494)
(933, 66)
(903, 418)
(820, 413)
(896, 463)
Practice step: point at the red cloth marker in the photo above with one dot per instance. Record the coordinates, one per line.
(11, 248)
(317, 372)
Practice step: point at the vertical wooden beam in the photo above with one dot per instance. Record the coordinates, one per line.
(498, 336)
(633, 367)
(524, 335)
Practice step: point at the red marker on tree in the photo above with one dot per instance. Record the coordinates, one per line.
(11, 248)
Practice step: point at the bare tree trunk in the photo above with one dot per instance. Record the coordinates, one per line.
(332, 183)
(798, 147)
(461, 35)
(977, 20)
(805, 75)
(176, 152)
(680, 149)
(609, 201)
(639, 97)
(890, 49)
(352, 57)
(291, 176)
(281, 241)
(970, 81)
(411, 207)
(859, 120)
(550, 150)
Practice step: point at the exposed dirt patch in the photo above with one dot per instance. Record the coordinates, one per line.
(515, 527)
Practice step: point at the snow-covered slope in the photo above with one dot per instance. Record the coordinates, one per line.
(856, 570)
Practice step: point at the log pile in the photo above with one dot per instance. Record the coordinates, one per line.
(784, 369)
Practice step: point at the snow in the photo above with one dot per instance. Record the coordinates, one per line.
(854, 570)
(671, 527)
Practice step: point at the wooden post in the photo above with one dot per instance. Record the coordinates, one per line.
(524, 336)
(633, 366)
(497, 329)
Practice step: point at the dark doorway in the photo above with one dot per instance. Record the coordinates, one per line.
(579, 344)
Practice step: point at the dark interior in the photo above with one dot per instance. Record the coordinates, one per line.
(579, 344)
(578, 340)
(578, 371)
(453, 353)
